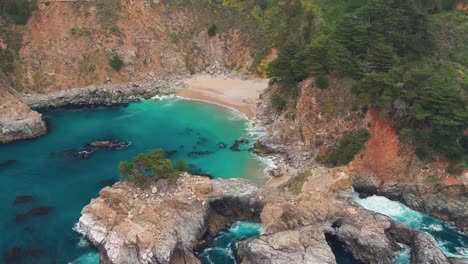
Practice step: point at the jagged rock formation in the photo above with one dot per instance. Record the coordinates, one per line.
(164, 223)
(18, 121)
(128, 225)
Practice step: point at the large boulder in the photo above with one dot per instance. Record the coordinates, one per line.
(18, 121)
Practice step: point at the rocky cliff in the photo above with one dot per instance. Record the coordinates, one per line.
(164, 223)
(68, 44)
(18, 121)
(314, 123)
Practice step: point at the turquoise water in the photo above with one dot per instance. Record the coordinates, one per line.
(453, 242)
(223, 248)
(65, 185)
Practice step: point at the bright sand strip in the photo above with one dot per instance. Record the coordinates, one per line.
(239, 94)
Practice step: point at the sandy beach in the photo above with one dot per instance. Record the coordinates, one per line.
(239, 94)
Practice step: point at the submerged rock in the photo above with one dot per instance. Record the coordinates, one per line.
(16, 254)
(22, 199)
(38, 211)
(74, 154)
(199, 153)
(170, 153)
(7, 163)
(108, 144)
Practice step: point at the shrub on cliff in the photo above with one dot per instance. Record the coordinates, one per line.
(116, 62)
(347, 148)
(212, 30)
(148, 167)
(322, 82)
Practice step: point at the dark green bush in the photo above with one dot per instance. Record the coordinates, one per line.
(212, 30)
(454, 169)
(116, 62)
(423, 155)
(322, 82)
(18, 11)
(347, 148)
(279, 103)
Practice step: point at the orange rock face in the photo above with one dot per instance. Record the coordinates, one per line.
(384, 155)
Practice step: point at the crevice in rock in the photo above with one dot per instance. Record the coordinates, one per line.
(339, 249)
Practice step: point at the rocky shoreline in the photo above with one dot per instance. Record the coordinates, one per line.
(109, 94)
(18, 121)
(166, 223)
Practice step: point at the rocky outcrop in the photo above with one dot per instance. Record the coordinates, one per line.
(18, 121)
(129, 225)
(385, 167)
(303, 245)
(424, 248)
(110, 94)
(165, 223)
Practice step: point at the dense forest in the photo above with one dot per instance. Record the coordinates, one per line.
(406, 58)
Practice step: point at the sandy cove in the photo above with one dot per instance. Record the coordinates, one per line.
(237, 93)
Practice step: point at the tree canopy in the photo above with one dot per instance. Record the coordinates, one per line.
(148, 167)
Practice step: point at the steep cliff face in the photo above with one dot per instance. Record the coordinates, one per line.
(386, 166)
(69, 43)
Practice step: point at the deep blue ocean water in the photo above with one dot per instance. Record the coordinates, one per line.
(67, 185)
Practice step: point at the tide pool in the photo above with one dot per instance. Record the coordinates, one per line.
(453, 242)
(64, 185)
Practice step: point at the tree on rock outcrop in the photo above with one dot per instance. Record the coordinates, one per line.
(148, 167)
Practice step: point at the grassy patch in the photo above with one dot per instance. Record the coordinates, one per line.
(296, 183)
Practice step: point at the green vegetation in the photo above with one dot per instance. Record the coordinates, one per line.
(347, 148)
(149, 167)
(18, 11)
(322, 82)
(212, 30)
(296, 183)
(407, 58)
(116, 62)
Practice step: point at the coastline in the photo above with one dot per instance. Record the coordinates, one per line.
(238, 93)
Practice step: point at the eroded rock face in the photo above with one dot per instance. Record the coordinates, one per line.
(129, 225)
(18, 121)
(388, 167)
(303, 245)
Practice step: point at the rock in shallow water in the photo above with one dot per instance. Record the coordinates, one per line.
(38, 211)
(108, 144)
(7, 163)
(22, 199)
